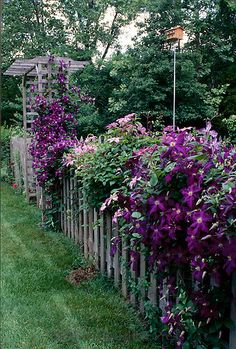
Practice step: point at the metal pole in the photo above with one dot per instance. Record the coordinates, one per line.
(174, 89)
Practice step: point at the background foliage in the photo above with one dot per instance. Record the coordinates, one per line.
(139, 80)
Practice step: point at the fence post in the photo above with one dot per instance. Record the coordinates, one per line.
(232, 335)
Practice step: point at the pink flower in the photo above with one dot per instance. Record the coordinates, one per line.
(108, 201)
(114, 140)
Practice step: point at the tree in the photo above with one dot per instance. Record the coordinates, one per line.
(30, 27)
(143, 77)
(87, 23)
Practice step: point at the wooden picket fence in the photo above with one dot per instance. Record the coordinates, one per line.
(22, 168)
(93, 231)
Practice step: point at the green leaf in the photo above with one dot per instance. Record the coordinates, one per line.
(186, 345)
(229, 324)
(170, 167)
(136, 235)
(136, 215)
(153, 180)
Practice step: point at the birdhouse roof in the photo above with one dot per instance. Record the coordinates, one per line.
(174, 28)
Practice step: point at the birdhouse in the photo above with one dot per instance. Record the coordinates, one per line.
(175, 33)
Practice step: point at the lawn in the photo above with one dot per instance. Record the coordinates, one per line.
(40, 309)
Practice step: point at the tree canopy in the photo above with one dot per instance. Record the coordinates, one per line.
(140, 79)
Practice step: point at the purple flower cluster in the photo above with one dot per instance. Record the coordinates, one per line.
(181, 206)
(54, 131)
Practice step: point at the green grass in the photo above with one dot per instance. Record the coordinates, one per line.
(40, 309)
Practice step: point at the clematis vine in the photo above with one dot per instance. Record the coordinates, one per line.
(181, 207)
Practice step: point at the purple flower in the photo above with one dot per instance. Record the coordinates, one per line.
(198, 268)
(229, 203)
(229, 252)
(140, 227)
(134, 259)
(190, 194)
(114, 245)
(200, 221)
(156, 204)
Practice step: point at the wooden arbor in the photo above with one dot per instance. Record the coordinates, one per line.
(38, 78)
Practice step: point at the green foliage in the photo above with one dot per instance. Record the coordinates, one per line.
(11, 100)
(104, 170)
(140, 80)
(6, 134)
(30, 29)
(231, 128)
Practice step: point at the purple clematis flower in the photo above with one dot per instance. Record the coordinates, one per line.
(190, 194)
(114, 245)
(229, 252)
(200, 221)
(134, 259)
(198, 268)
(156, 204)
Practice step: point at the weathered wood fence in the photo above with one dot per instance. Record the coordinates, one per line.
(94, 231)
(22, 168)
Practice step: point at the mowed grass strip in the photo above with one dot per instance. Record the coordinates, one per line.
(40, 309)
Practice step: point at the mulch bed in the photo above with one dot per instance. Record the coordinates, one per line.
(81, 274)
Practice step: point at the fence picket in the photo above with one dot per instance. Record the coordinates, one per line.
(80, 218)
(85, 227)
(90, 233)
(96, 242)
(102, 244)
(124, 269)
(72, 231)
(108, 248)
(116, 259)
(76, 208)
(65, 206)
(143, 269)
(232, 335)
(152, 290)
